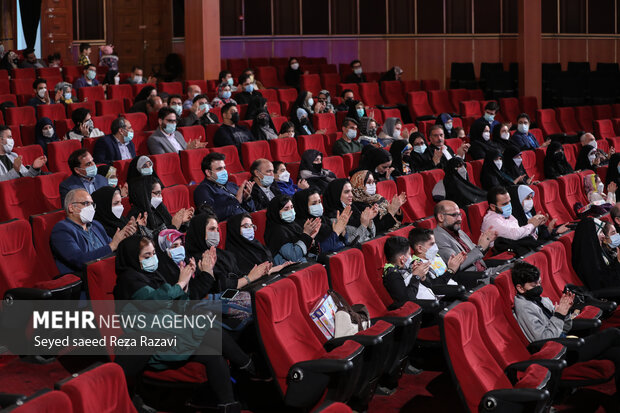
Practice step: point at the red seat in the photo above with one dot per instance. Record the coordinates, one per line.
(351, 161)
(120, 92)
(475, 215)
(22, 87)
(191, 164)
(374, 261)
(454, 143)
(430, 84)
(233, 164)
(54, 111)
(390, 113)
(431, 177)
(168, 169)
(7, 97)
(92, 93)
(89, 144)
(568, 122)
(311, 83)
(466, 351)
(71, 73)
(418, 105)
(259, 218)
(140, 140)
(325, 121)
(48, 190)
(122, 167)
(392, 92)
(284, 149)
(529, 164)
(191, 133)
(551, 202)
(20, 266)
(270, 94)
(251, 151)
(45, 401)
(440, 101)
(330, 82)
(29, 153)
(138, 121)
(354, 88)
(571, 151)
(585, 117)
(287, 95)
(268, 76)
(25, 73)
(42, 225)
(387, 189)
(371, 96)
(5, 88)
(292, 349)
(602, 112)
(90, 105)
(571, 187)
(334, 164)
(109, 107)
(171, 88)
(509, 107)
(176, 198)
(104, 123)
(23, 115)
(305, 142)
(17, 200)
(547, 122)
(419, 202)
(470, 108)
(58, 154)
(604, 129)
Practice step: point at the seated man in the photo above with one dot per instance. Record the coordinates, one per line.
(248, 90)
(166, 138)
(175, 102)
(348, 143)
(357, 76)
(540, 319)
(199, 113)
(225, 76)
(83, 174)
(224, 197)
(78, 239)
(452, 240)
(136, 77)
(88, 79)
(589, 139)
(488, 117)
(11, 163)
(522, 138)
(264, 189)
(230, 133)
(192, 92)
(438, 152)
(41, 95)
(84, 127)
(347, 97)
(31, 61)
(116, 146)
(152, 104)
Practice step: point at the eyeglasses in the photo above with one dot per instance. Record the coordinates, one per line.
(156, 193)
(454, 215)
(248, 226)
(171, 120)
(86, 204)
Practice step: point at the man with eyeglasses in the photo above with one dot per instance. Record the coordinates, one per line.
(83, 174)
(167, 139)
(451, 239)
(79, 239)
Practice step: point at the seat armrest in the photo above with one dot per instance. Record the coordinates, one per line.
(23, 293)
(554, 366)
(500, 400)
(7, 399)
(449, 291)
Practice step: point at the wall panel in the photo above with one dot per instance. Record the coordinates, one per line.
(488, 51)
(401, 52)
(373, 55)
(430, 59)
(573, 50)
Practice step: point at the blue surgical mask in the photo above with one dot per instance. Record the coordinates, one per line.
(129, 136)
(419, 148)
(288, 216)
(177, 254)
(204, 107)
(351, 133)
(249, 88)
(91, 171)
(150, 264)
(113, 182)
(489, 118)
(222, 177)
(247, 233)
(230, 81)
(91, 74)
(448, 126)
(68, 96)
(360, 112)
(614, 241)
(170, 128)
(267, 180)
(178, 109)
(225, 94)
(316, 210)
(507, 211)
(147, 171)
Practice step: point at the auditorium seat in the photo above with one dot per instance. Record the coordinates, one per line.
(284, 149)
(305, 142)
(120, 92)
(475, 215)
(390, 113)
(572, 190)
(5, 88)
(259, 218)
(140, 140)
(92, 93)
(287, 95)
(271, 95)
(351, 161)
(48, 190)
(387, 189)
(25, 73)
(251, 151)
(604, 129)
(311, 83)
(470, 109)
(191, 133)
(440, 101)
(430, 84)
(374, 261)
(529, 164)
(419, 106)
(547, 122)
(371, 96)
(334, 164)
(585, 118)
(55, 111)
(42, 225)
(419, 202)
(176, 197)
(330, 82)
(567, 120)
(58, 154)
(551, 202)
(538, 134)
(20, 268)
(392, 92)
(90, 105)
(304, 371)
(233, 163)
(268, 76)
(325, 121)
(354, 87)
(168, 169)
(191, 164)
(602, 112)
(104, 123)
(171, 88)
(43, 401)
(29, 152)
(509, 108)
(22, 115)
(529, 105)
(71, 73)
(109, 107)
(431, 177)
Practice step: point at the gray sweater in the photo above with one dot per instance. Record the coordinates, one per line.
(534, 322)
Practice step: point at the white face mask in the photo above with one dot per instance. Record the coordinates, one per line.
(48, 133)
(431, 253)
(310, 102)
(156, 201)
(371, 189)
(528, 204)
(118, 211)
(137, 79)
(87, 214)
(8, 146)
(486, 136)
(42, 92)
(295, 66)
(505, 135)
(523, 127)
(600, 187)
(284, 176)
(592, 157)
(498, 163)
(117, 80)
(593, 144)
(462, 171)
(518, 161)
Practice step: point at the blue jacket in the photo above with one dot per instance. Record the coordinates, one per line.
(106, 150)
(522, 141)
(70, 245)
(222, 199)
(81, 82)
(75, 181)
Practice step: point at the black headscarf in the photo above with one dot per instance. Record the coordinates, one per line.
(352, 113)
(556, 165)
(144, 93)
(509, 167)
(278, 232)
(496, 137)
(247, 253)
(130, 275)
(133, 172)
(102, 197)
(589, 258)
(262, 120)
(396, 151)
(459, 189)
(418, 160)
(479, 147)
(332, 204)
(612, 170)
(140, 198)
(38, 133)
(256, 105)
(582, 159)
(300, 202)
(291, 76)
(109, 77)
(316, 176)
(299, 103)
(373, 157)
(490, 176)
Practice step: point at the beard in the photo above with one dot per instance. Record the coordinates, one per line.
(454, 227)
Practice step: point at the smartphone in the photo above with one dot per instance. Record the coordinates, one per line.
(229, 294)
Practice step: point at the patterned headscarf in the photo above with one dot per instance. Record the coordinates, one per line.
(358, 184)
(167, 237)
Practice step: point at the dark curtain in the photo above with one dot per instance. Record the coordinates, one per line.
(30, 11)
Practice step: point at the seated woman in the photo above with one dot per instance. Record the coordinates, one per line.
(401, 158)
(592, 263)
(457, 185)
(522, 200)
(365, 195)
(492, 174)
(287, 130)
(139, 279)
(145, 196)
(379, 162)
(613, 171)
(263, 127)
(368, 131)
(356, 111)
(257, 104)
(480, 140)
(555, 163)
(224, 93)
(512, 166)
(587, 158)
(45, 133)
(138, 167)
(286, 239)
(311, 169)
(419, 157)
(110, 173)
(392, 131)
(307, 204)
(109, 211)
(361, 226)
(445, 120)
(284, 181)
(301, 114)
(501, 136)
(598, 202)
(292, 76)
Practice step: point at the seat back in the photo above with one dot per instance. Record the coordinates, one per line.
(233, 164)
(540, 261)
(48, 190)
(172, 88)
(55, 111)
(561, 271)
(48, 402)
(284, 149)
(110, 107)
(251, 151)
(19, 266)
(431, 177)
(604, 129)
(168, 169)
(305, 142)
(42, 226)
(347, 273)
(330, 82)
(509, 107)
(90, 105)
(392, 91)
(17, 200)
(374, 261)
(119, 92)
(387, 189)
(440, 101)
(370, 94)
(529, 164)
(334, 164)
(568, 121)
(419, 202)
(92, 93)
(268, 76)
(430, 84)
(571, 187)
(259, 218)
(176, 198)
(507, 292)
(311, 83)
(475, 215)
(191, 133)
(470, 108)
(325, 121)
(191, 164)
(547, 121)
(529, 105)
(602, 112)
(551, 202)
(585, 118)
(22, 115)
(418, 104)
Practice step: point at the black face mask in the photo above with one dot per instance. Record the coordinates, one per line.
(264, 121)
(534, 293)
(303, 121)
(235, 117)
(318, 167)
(558, 156)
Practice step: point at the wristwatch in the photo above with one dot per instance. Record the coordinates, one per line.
(247, 279)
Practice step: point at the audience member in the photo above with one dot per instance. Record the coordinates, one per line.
(311, 170)
(325, 102)
(589, 139)
(501, 137)
(379, 162)
(109, 211)
(592, 263)
(420, 157)
(108, 58)
(440, 272)
(265, 188)
(523, 138)
(292, 76)
(64, 93)
(368, 132)
(41, 95)
(392, 131)
(224, 92)
(357, 76)
(347, 97)
(116, 146)
(166, 138)
(137, 77)
(555, 163)
(31, 61)
(522, 200)
(512, 166)
(445, 120)
(192, 92)
(488, 117)
(480, 139)
(152, 104)
(198, 113)
(139, 166)
(263, 128)
(287, 130)
(595, 191)
(9, 61)
(285, 182)
(348, 143)
(83, 125)
(356, 111)
(458, 186)
(11, 166)
(88, 79)
(256, 105)
(230, 133)
(45, 133)
(401, 158)
(613, 170)
(226, 77)
(492, 174)
(440, 153)
(85, 51)
(83, 174)
(587, 159)
(248, 90)
(395, 73)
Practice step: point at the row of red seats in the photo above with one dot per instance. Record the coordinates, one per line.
(569, 120)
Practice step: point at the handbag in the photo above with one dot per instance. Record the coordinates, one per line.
(349, 319)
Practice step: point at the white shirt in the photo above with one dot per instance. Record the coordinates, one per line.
(122, 147)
